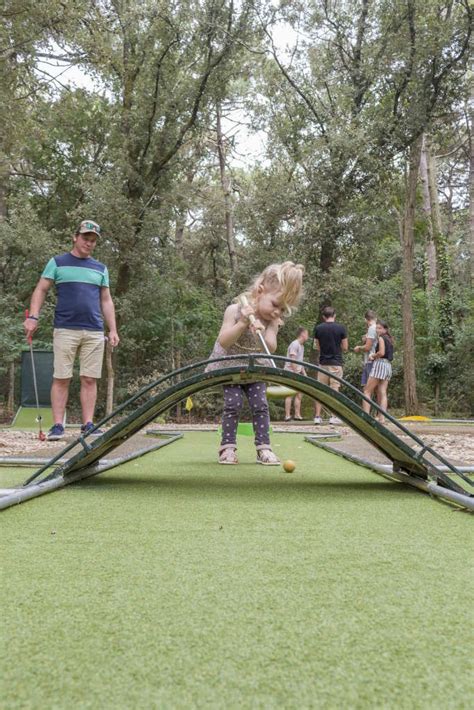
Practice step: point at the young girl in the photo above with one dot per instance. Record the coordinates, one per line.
(381, 371)
(272, 295)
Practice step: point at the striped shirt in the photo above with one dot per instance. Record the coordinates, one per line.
(78, 284)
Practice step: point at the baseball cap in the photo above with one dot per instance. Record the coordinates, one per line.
(88, 226)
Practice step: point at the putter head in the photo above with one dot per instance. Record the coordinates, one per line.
(42, 436)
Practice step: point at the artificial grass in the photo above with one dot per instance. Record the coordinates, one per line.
(174, 582)
(25, 419)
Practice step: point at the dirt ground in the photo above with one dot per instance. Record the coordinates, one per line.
(454, 441)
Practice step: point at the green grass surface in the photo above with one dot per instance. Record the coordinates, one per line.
(173, 582)
(26, 419)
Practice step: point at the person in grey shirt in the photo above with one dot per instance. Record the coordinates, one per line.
(296, 352)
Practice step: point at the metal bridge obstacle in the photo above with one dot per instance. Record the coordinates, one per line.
(410, 459)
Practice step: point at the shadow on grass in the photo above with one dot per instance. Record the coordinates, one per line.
(275, 487)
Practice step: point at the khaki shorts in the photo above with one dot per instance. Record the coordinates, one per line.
(68, 343)
(327, 380)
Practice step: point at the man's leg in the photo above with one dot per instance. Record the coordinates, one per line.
(335, 385)
(88, 398)
(324, 379)
(65, 344)
(298, 398)
(59, 397)
(91, 355)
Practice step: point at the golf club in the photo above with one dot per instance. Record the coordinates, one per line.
(39, 418)
(243, 300)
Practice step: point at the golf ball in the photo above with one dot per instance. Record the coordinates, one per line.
(289, 466)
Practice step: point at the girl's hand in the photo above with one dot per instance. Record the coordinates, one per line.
(246, 312)
(372, 357)
(357, 348)
(257, 325)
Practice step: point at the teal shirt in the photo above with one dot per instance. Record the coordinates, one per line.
(78, 285)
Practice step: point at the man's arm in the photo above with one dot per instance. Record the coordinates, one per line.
(316, 345)
(345, 345)
(37, 299)
(366, 348)
(108, 309)
(293, 367)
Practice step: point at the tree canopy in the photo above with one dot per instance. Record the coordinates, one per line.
(364, 172)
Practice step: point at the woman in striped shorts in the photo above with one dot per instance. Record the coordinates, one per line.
(381, 371)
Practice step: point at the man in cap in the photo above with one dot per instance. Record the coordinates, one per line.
(83, 302)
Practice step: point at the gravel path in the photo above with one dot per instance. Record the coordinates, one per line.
(455, 442)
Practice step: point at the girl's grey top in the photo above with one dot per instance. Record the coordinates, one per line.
(247, 344)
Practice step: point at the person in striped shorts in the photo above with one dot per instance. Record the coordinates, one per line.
(381, 371)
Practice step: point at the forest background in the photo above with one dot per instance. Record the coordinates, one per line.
(363, 114)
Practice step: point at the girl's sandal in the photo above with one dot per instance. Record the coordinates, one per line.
(267, 458)
(228, 456)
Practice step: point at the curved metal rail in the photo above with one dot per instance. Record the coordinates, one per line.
(180, 384)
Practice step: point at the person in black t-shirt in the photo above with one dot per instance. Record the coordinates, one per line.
(330, 338)
(381, 370)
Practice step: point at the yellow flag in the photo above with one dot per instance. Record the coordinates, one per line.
(189, 404)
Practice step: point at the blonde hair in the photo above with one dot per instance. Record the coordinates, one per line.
(286, 278)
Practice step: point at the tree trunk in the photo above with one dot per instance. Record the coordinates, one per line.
(471, 183)
(227, 192)
(109, 401)
(436, 400)
(446, 316)
(431, 270)
(407, 236)
(183, 204)
(179, 406)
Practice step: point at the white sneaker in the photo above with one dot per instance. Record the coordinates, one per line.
(334, 420)
(317, 420)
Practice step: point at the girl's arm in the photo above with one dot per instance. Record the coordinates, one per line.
(231, 330)
(380, 352)
(271, 334)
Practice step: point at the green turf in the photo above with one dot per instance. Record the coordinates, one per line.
(173, 582)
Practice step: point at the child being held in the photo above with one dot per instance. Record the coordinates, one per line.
(271, 297)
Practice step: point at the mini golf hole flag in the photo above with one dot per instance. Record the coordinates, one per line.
(189, 404)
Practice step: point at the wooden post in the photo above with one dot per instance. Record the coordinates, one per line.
(109, 402)
(11, 389)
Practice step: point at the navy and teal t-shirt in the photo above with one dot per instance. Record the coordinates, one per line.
(78, 283)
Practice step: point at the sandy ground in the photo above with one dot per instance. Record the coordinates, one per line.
(454, 441)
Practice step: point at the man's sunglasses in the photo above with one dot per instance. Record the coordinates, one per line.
(91, 226)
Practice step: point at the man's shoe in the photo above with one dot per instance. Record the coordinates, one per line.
(55, 433)
(318, 420)
(86, 428)
(334, 420)
(288, 419)
(298, 419)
